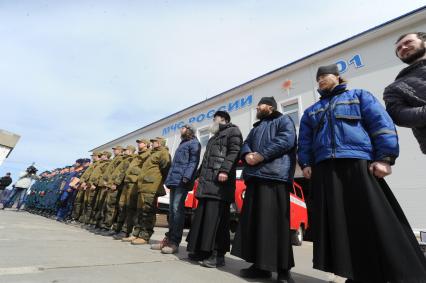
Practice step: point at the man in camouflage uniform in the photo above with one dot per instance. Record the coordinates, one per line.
(101, 208)
(93, 185)
(79, 198)
(129, 196)
(101, 193)
(83, 187)
(115, 188)
(150, 186)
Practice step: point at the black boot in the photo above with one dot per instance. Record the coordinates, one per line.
(119, 236)
(197, 256)
(108, 233)
(284, 276)
(214, 261)
(100, 231)
(254, 272)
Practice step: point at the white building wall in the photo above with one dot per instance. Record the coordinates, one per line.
(376, 67)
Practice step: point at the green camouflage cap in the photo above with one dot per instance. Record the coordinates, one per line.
(131, 148)
(143, 140)
(118, 147)
(96, 153)
(107, 153)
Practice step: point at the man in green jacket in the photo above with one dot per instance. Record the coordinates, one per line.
(150, 186)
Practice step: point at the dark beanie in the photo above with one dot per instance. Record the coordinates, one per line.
(268, 100)
(223, 114)
(329, 69)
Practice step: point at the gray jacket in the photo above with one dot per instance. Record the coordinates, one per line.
(405, 100)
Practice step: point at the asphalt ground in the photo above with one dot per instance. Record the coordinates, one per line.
(37, 249)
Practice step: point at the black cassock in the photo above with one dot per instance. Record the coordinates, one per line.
(360, 231)
(210, 227)
(263, 234)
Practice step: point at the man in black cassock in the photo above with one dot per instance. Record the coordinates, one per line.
(263, 236)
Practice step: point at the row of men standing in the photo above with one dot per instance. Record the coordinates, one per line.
(347, 144)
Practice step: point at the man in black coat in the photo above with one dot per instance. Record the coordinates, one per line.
(5, 181)
(209, 237)
(405, 98)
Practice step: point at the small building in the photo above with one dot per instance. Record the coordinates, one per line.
(367, 60)
(8, 142)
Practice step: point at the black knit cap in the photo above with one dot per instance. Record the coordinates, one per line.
(268, 100)
(329, 69)
(223, 114)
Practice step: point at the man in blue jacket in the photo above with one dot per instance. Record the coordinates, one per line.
(347, 145)
(180, 180)
(263, 236)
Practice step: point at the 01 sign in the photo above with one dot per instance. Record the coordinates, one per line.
(355, 61)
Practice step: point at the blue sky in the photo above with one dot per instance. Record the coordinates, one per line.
(76, 74)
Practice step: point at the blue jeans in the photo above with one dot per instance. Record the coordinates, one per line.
(176, 214)
(17, 193)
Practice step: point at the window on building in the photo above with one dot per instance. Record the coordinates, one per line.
(291, 108)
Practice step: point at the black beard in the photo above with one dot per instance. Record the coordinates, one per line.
(416, 55)
(262, 114)
(186, 136)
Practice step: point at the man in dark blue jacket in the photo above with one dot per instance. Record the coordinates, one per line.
(263, 236)
(180, 180)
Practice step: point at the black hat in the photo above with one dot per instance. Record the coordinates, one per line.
(79, 161)
(189, 127)
(86, 160)
(329, 69)
(224, 115)
(268, 100)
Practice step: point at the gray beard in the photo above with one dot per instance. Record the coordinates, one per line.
(214, 128)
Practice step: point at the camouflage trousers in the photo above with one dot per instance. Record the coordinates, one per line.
(82, 217)
(110, 207)
(97, 213)
(127, 208)
(145, 215)
(89, 204)
(78, 205)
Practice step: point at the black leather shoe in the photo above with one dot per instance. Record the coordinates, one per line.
(96, 231)
(196, 257)
(214, 261)
(120, 236)
(284, 277)
(254, 272)
(108, 233)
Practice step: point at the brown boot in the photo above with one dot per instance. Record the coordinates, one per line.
(139, 241)
(129, 239)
